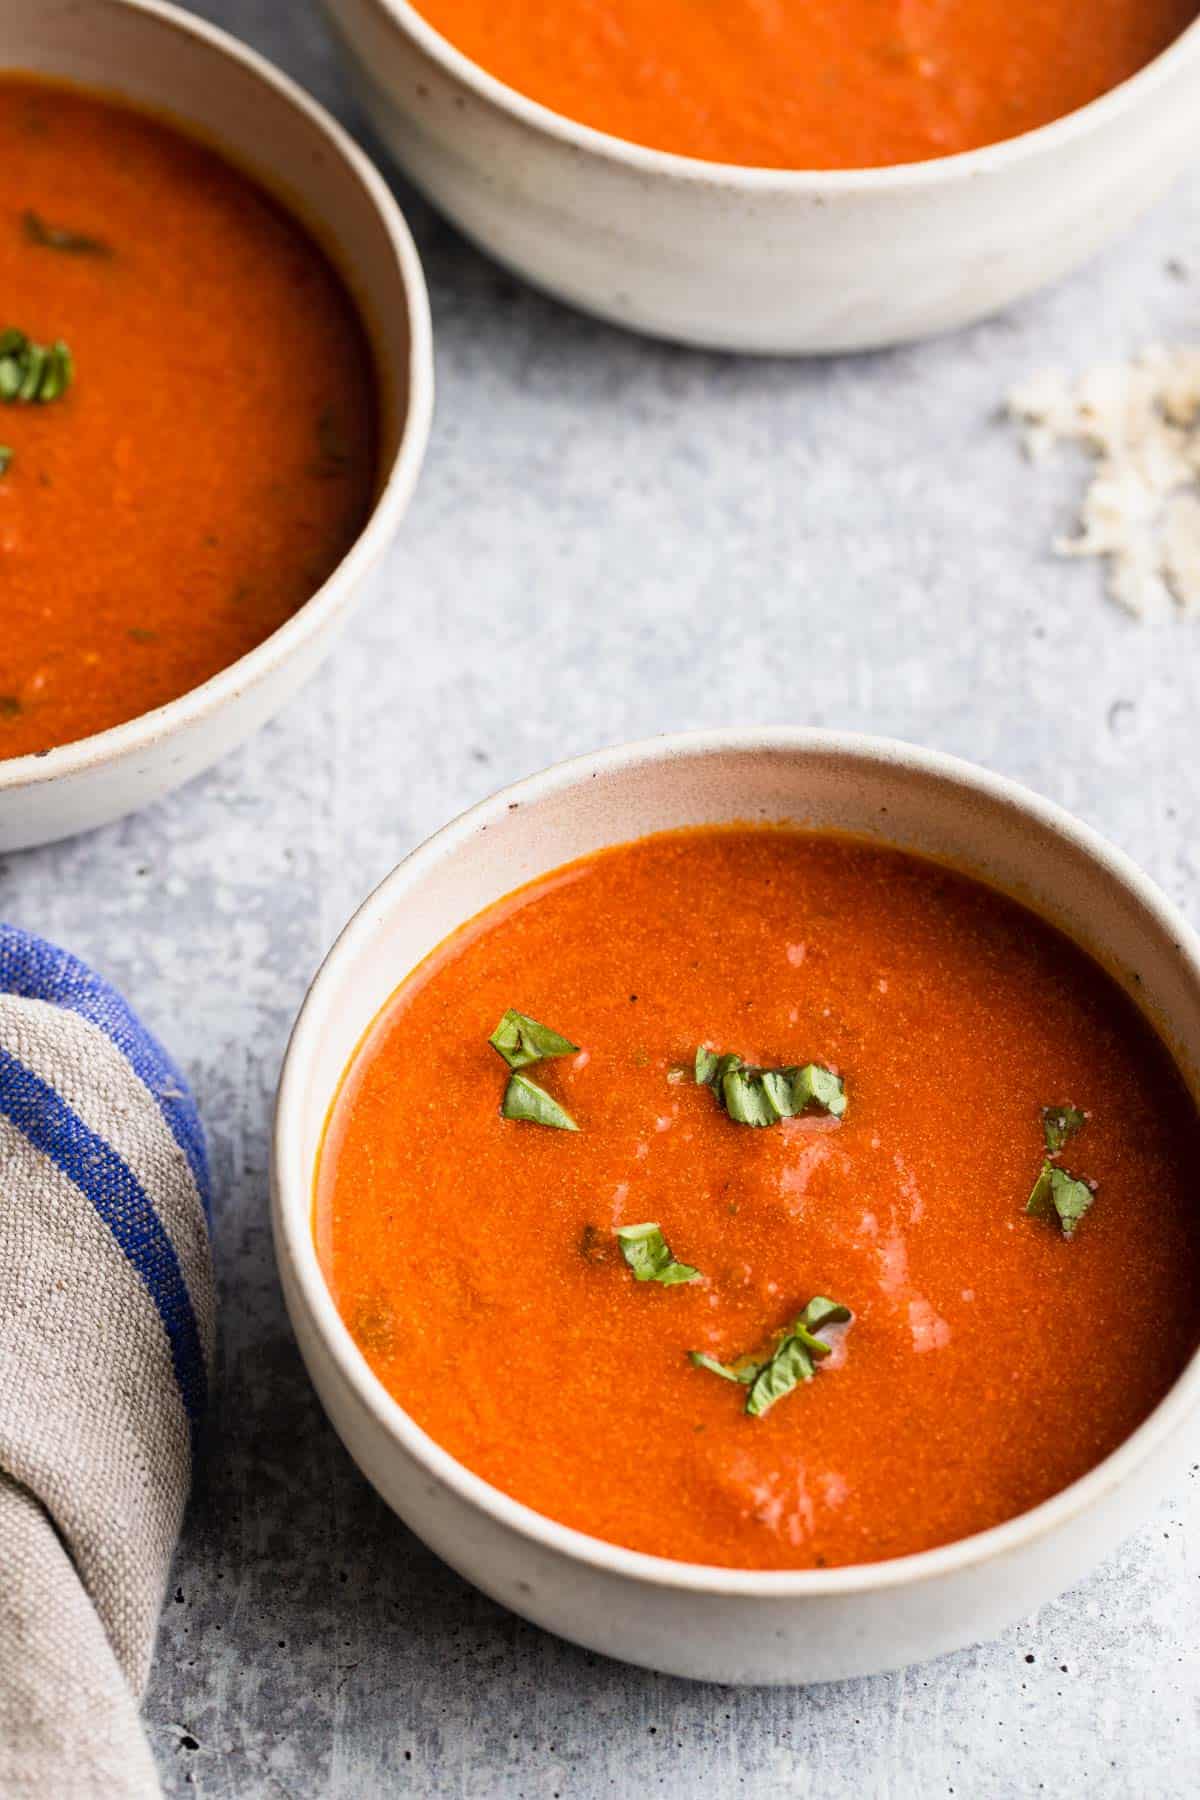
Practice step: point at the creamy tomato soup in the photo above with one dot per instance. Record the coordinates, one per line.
(198, 452)
(811, 84)
(921, 1257)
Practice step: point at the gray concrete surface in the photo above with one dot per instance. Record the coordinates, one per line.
(615, 538)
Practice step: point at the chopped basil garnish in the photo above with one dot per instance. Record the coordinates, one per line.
(747, 1099)
(760, 1097)
(1060, 1123)
(648, 1254)
(520, 1040)
(793, 1360)
(5, 458)
(821, 1313)
(524, 1099)
(790, 1365)
(1058, 1195)
(743, 1371)
(710, 1070)
(817, 1089)
(54, 237)
(32, 373)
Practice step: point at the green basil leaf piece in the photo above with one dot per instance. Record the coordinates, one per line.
(524, 1099)
(746, 1098)
(817, 1089)
(1059, 1123)
(54, 237)
(743, 1371)
(1060, 1196)
(777, 1086)
(32, 373)
(821, 1312)
(1072, 1198)
(5, 458)
(520, 1040)
(648, 1254)
(1040, 1202)
(790, 1365)
(711, 1070)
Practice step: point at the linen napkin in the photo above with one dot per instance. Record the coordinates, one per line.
(106, 1337)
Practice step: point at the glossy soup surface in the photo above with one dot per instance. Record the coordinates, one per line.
(811, 84)
(214, 458)
(990, 1361)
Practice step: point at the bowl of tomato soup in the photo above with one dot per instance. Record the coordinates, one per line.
(711, 1182)
(215, 389)
(836, 175)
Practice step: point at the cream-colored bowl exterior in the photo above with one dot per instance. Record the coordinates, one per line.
(165, 59)
(757, 259)
(725, 1624)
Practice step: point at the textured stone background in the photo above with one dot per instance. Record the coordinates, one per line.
(614, 538)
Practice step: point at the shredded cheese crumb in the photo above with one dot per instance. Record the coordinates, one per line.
(1141, 422)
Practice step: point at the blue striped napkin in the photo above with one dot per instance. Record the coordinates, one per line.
(106, 1339)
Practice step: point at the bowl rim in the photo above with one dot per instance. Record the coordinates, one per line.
(291, 1183)
(395, 486)
(988, 159)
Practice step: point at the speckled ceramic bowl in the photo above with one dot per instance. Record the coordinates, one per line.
(165, 59)
(764, 259)
(728, 1625)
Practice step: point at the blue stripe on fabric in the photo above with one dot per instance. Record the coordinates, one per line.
(104, 1178)
(34, 969)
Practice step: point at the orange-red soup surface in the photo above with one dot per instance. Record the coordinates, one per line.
(213, 459)
(990, 1360)
(811, 84)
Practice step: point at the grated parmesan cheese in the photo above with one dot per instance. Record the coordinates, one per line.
(1141, 422)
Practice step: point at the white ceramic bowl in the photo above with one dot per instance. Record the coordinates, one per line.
(764, 259)
(165, 59)
(726, 1624)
